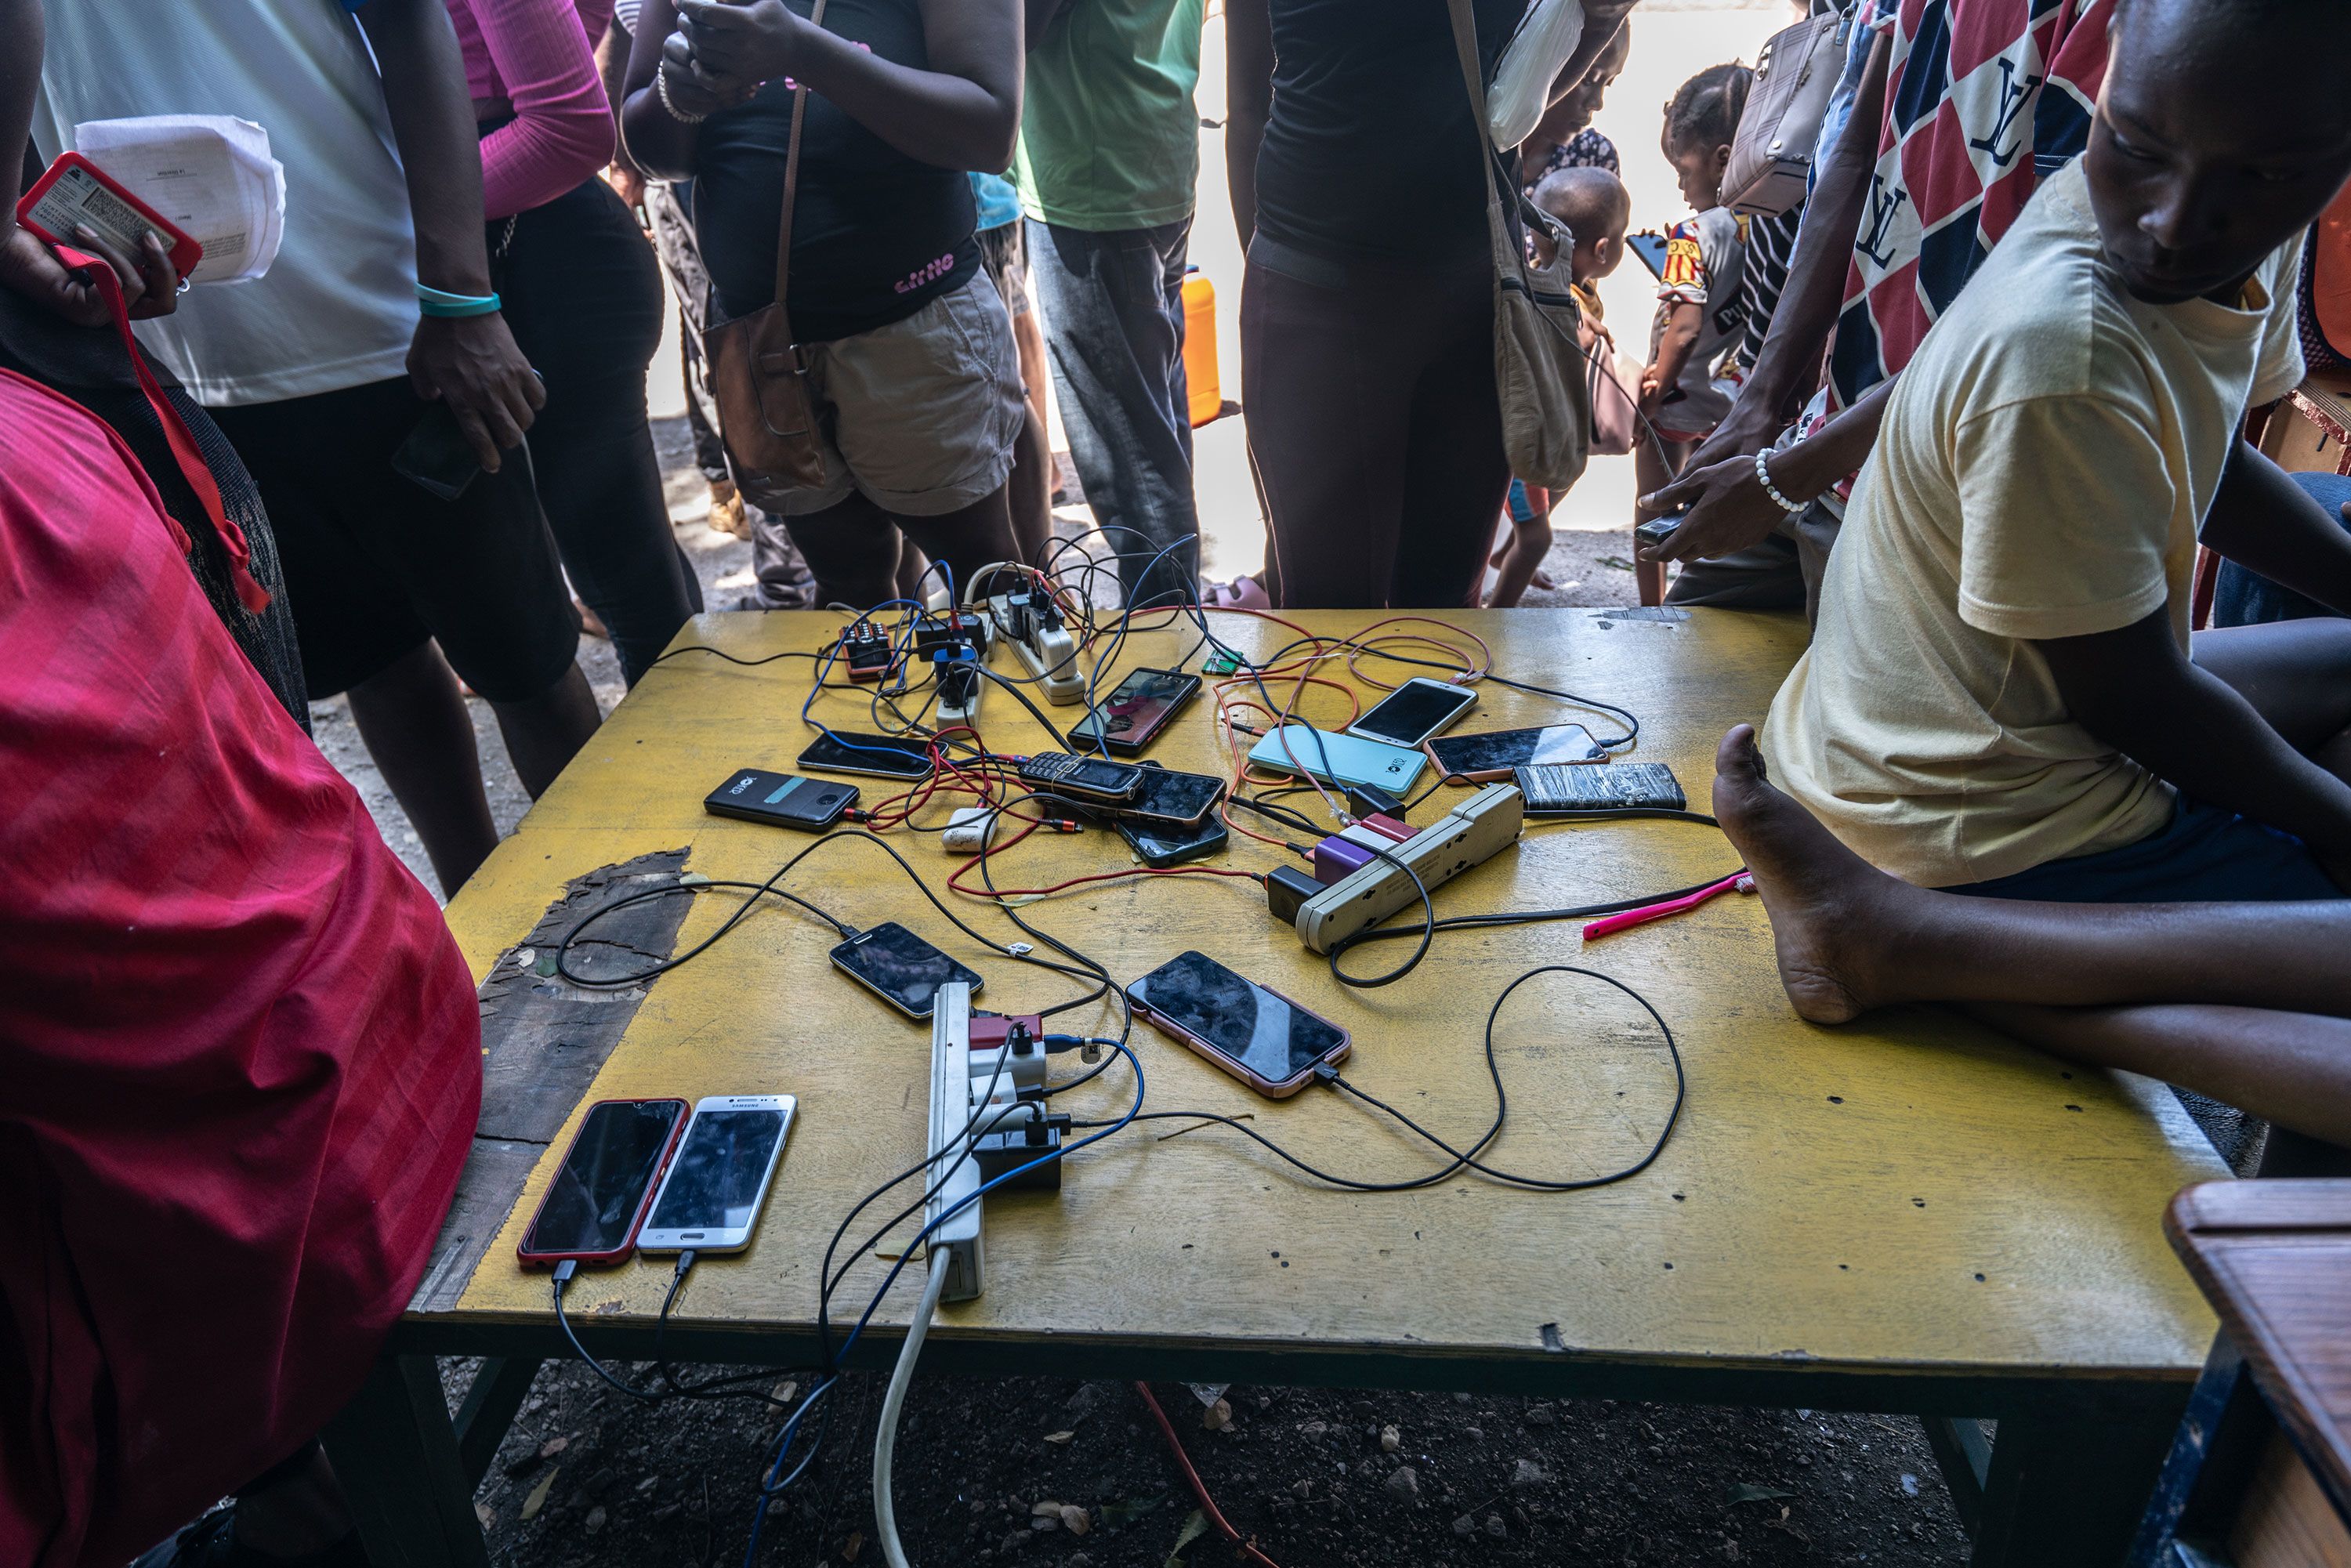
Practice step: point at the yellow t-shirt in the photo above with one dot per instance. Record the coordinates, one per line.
(2046, 462)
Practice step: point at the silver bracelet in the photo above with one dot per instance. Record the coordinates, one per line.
(1763, 477)
(661, 90)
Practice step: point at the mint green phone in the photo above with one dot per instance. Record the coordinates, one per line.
(1296, 749)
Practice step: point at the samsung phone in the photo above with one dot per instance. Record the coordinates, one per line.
(1163, 844)
(871, 755)
(598, 1199)
(1136, 710)
(1651, 250)
(719, 1177)
(1416, 710)
(1492, 754)
(1260, 1037)
(900, 967)
(781, 800)
(1296, 748)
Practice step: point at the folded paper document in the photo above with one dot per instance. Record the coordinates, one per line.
(209, 173)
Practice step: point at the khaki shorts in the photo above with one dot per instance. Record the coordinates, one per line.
(918, 416)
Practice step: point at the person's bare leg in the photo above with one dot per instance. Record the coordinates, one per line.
(2297, 675)
(544, 732)
(301, 1515)
(1521, 561)
(1849, 937)
(853, 550)
(2293, 1069)
(970, 538)
(413, 718)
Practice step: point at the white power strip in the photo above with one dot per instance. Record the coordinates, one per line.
(956, 1234)
(1048, 653)
(1470, 834)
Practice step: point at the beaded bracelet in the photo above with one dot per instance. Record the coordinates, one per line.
(1763, 477)
(661, 91)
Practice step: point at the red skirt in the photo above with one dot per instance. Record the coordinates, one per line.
(240, 1057)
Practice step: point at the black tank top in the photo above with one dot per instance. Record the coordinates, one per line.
(876, 235)
(1369, 151)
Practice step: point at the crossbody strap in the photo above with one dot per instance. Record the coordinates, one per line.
(792, 180)
(1464, 45)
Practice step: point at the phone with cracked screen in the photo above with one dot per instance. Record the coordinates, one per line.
(719, 1177)
(1257, 1035)
(1162, 845)
(900, 967)
(1136, 710)
(1493, 754)
(598, 1199)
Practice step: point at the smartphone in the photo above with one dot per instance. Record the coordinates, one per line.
(1086, 778)
(1650, 248)
(1492, 754)
(1260, 1037)
(871, 755)
(900, 967)
(593, 1209)
(1167, 799)
(436, 457)
(780, 799)
(1163, 844)
(1551, 791)
(1136, 710)
(1296, 748)
(1416, 710)
(719, 1179)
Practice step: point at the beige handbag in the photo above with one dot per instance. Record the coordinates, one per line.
(1771, 155)
(766, 411)
(1540, 367)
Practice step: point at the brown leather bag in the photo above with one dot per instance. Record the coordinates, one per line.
(766, 409)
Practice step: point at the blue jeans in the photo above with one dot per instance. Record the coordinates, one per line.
(2248, 598)
(1114, 305)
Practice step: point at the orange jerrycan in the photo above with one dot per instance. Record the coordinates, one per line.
(1200, 346)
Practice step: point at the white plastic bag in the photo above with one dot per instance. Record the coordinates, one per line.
(1521, 90)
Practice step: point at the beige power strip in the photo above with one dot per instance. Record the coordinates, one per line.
(1472, 834)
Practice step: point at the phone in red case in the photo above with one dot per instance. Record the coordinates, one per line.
(75, 190)
(594, 1208)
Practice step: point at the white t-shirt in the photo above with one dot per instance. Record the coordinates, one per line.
(338, 307)
(2045, 463)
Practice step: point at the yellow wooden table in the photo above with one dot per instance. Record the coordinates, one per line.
(1908, 1214)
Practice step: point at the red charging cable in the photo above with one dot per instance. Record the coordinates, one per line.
(1214, 1515)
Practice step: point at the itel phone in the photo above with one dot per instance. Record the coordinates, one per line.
(1136, 710)
(1163, 844)
(1416, 710)
(900, 967)
(711, 1198)
(781, 800)
(871, 755)
(1260, 1037)
(1340, 760)
(1492, 754)
(1091, 781)
(600, 1192)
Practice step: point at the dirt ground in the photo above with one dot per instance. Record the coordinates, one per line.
(1059, 1474)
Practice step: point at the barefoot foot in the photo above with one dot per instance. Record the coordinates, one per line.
(1826, 903)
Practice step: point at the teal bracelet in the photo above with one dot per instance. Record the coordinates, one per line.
(439, 302)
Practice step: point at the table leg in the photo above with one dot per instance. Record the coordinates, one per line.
(488, 1409)
(2066, 1487)
(395, 1452)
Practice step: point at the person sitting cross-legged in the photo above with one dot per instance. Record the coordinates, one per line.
(2001, 697)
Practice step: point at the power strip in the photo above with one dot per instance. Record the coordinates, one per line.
(989, 1118)
(1470, 834)
(1044, 647)
(957, 1233)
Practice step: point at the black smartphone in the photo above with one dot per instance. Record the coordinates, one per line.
(871, 755)
(1087, 779)
(1136, 710)
(780, 799)
(1493, 753)
(1168, 799)
(436, 457)
(1650, 248)
(594, 1207)
(1259, 1036)
(1160, 845)
(900, 967)
(1552, 791)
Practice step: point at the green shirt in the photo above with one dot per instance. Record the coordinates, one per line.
(1109, 136)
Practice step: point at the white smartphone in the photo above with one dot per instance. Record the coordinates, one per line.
(719, 1179)
(1416, 710)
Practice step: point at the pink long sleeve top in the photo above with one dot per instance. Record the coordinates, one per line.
(536, 57)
